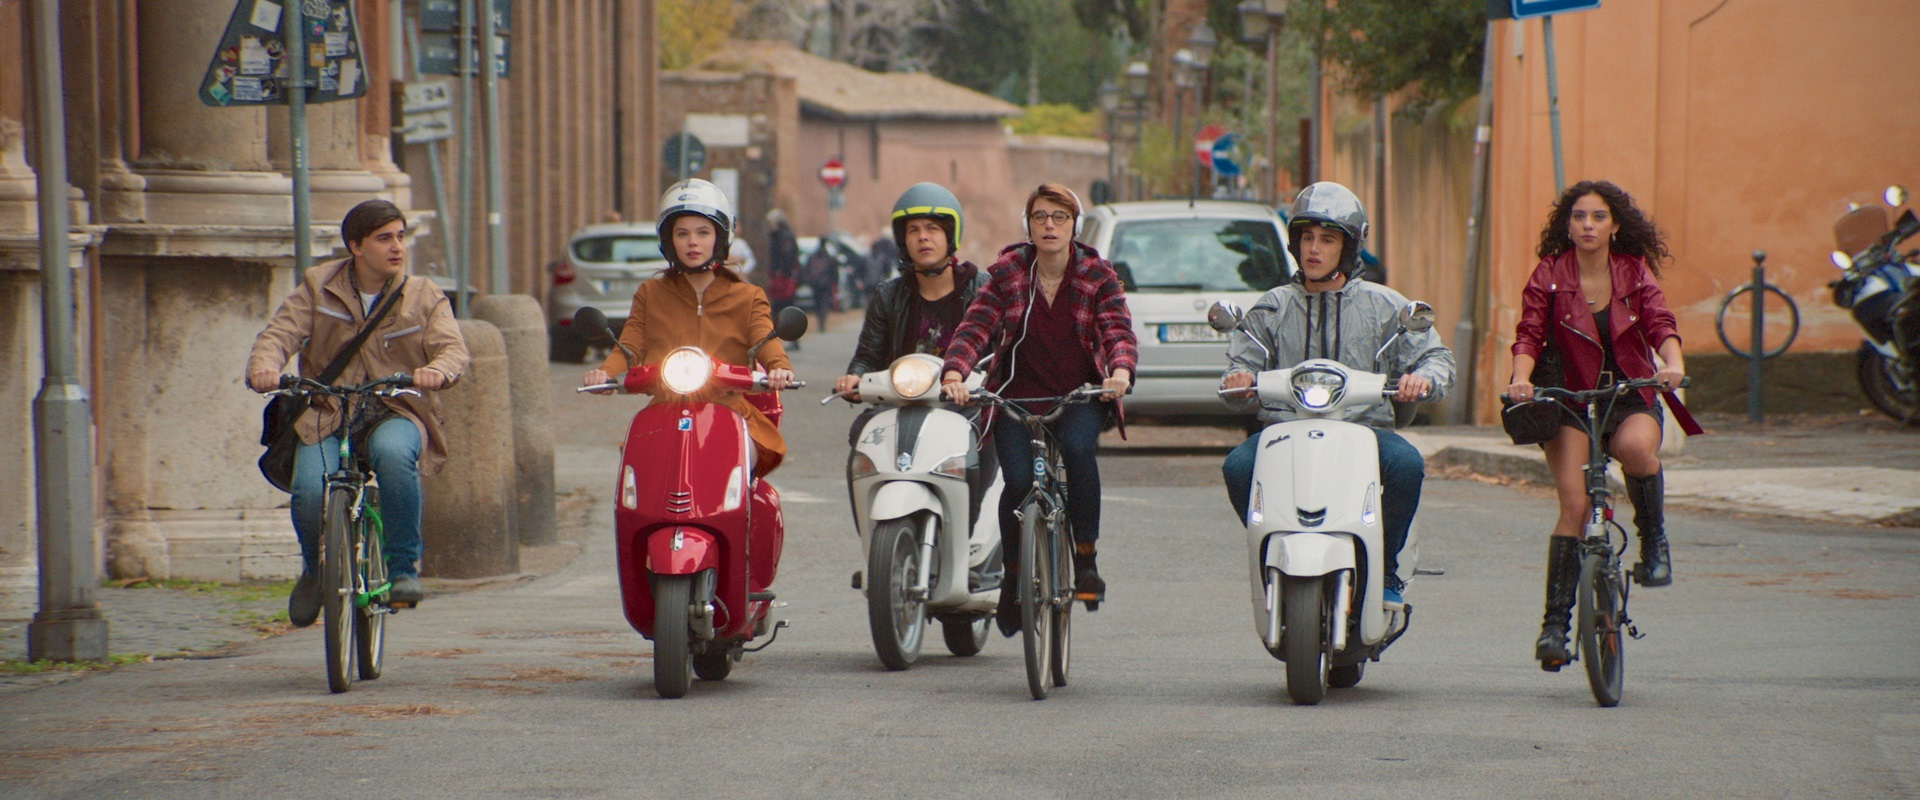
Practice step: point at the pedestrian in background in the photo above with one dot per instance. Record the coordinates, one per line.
(1594, 297)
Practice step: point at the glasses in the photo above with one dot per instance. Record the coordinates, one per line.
(1058, 217)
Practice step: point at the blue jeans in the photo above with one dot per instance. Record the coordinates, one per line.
(394, 453)
(1401, 472)
(1078, 431)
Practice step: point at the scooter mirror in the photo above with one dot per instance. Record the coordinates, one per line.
(1417, 317)
(592, 326)
(1841, 260)
(791, 324)
(1224, 316)
(1896, 195)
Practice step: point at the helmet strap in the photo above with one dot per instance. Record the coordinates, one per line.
(932, 271)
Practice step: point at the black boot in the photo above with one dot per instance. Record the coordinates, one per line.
(1649, 496)
(1088, 586)
(1563, 572)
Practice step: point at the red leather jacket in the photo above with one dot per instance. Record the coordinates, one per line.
(1638, 316)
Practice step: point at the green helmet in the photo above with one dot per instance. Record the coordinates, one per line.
(930, 200)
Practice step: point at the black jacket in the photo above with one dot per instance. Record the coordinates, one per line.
(884, 336)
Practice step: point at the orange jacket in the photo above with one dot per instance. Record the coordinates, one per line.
(723, 321)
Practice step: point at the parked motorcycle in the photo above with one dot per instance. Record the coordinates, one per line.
(919, 489)
(1881, 286)
(1315, 538)
(698, 537)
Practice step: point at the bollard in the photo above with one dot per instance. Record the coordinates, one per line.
(524, 327)
(467, 530)
(1756, 354)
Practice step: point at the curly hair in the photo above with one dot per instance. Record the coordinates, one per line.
(1638, 236)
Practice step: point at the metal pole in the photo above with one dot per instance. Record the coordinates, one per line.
(1553, 107)
(1272, 192)
(463, 171)
(1313, 124)
(449, 237)
(296, 38)
(497, 280)
(69, 625)
(1460, 408)
(1758, 325)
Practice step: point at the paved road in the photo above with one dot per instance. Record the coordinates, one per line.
(1782, 664)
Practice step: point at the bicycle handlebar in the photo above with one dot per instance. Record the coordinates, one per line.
(395, 385)
(1085, 394)
(1556, 393)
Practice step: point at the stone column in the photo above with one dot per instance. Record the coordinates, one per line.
(467, 526)
(20, 361)
(524, 328)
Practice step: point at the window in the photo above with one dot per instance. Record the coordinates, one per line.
(1198, 255)
(617, 249)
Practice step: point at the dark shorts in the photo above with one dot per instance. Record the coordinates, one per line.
(1622, 408)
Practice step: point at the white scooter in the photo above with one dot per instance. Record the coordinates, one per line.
(909, 478)
(1315, 541)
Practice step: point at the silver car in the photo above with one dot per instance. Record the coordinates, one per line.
(603, 266)
(1175, 259)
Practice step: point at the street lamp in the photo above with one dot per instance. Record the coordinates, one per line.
(1190, 65)
(1109, 94)
(1138, 79)
(1260, 23)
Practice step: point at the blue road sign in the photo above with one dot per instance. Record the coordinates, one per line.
(1224, 149)
(1523, 9)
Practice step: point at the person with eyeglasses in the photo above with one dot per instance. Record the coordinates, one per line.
(1056, 318)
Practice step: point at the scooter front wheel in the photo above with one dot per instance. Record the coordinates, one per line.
(896, 612)
(671, 596)
(1304, 640)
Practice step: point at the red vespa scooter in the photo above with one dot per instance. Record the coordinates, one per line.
(698, 538)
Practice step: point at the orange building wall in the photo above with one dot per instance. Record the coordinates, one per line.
(1737, 124)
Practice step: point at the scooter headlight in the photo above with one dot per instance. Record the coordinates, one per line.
(912, 377)
(1317, 389)
(686, 370)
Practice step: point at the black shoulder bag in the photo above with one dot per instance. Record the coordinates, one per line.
(277, 421)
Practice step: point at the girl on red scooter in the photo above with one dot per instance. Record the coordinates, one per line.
(702, 302)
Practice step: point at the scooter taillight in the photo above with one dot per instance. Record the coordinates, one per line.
(629, 496)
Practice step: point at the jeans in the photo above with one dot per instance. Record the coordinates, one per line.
(1078, 431)
(394, 453)
(1402, 471)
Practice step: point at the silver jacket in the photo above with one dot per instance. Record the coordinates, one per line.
(1347, 325)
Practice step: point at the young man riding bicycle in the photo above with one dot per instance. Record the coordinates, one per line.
(417, 336)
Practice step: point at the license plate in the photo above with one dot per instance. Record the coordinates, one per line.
(603, 286)
(1190, 332)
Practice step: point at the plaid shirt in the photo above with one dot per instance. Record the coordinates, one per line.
(1099, 308)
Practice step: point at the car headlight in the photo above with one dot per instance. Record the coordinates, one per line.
(911, 377)
(686, 370)
(1318, 389)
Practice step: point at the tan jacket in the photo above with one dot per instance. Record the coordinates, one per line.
(323, 314)
(724, 321)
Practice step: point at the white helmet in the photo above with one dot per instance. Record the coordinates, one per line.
(1334, 206)
(695, 196)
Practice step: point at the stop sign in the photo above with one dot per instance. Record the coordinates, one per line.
(833, 173)
(1203, 143)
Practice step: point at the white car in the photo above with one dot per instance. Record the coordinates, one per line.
(603, 266)
(1176, 258)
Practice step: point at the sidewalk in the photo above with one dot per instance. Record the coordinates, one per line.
(1833, 468)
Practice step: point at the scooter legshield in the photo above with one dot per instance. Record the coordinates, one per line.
(681, 551)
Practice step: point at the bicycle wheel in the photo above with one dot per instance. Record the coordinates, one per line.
(336, 588)
(1036, 595)
(1062, 545)
(896, 615)
(671, 596)
(1601, 634)
(370, 619)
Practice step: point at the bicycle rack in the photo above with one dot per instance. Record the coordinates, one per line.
(1755, 355)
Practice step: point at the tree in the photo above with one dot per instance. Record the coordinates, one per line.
(692, 28)
(1432, 48)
